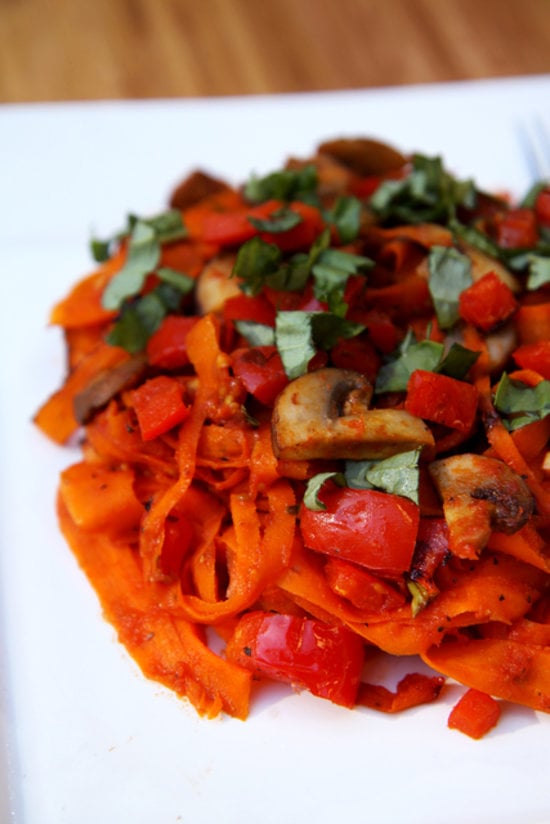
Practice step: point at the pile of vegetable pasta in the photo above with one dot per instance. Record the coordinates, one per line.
(314, 417)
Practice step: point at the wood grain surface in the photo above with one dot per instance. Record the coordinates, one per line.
(112, 49)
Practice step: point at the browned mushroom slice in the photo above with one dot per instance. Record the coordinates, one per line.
(325, 414)
(482, 264)
(364, 156)
(194, 189)
(480, 494)
(106, 385)
(215, 284)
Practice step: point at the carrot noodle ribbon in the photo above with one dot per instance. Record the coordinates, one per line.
(204, 354)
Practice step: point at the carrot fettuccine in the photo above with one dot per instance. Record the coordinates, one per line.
(315, 415)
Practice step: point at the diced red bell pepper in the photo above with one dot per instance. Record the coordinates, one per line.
(363, 589)
(373, 529)
(412, 691)
(261, 371)
(441, 399)
(475, 714)
(534, 356)
(167, 348)
(303, 234)
(159, 406)
(381, 330)
(358, 354)
(233, 228)
(487, 302)
(542, 207)
(516, 229)
(326, 660)
(247, 307)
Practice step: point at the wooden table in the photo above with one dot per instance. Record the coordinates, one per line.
(81, 49)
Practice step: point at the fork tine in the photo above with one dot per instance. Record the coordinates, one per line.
(535, 144)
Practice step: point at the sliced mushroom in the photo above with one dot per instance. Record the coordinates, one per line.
(325, 414)
(483, 263)
(499, 344)
(363, 155)
(480, 494)
(195, 188)
(215, 284)
(106, 385)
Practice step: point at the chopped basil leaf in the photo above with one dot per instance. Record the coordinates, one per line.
(355, 474)
(299, 333)
(286, 185)
(261, 264)
(458, 361)
(256, 261)
(170, 295)
(292, 275)
(329, 328)
(168, 226)
(450, 274)
(294, 338)
(345, 216)
(394, 375)
(474, 237)
(397, 475)
(137, 322)
(331, 272)
(141, 316)
(427, 194)
(257, 334)
(280, 221)
(143, 256)
(429, 355)
(539, 271)
(314, 486)
(183, 283)
(521, 404)
(100, 249)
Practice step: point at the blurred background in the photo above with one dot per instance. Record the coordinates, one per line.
(54, 50)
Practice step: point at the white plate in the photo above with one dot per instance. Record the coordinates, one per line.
(87, 739)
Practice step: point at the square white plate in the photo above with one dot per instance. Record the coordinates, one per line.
(85, 738)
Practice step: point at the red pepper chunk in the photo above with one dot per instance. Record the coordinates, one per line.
(475, 714)
(325, 659)
(363, 589)
(247, 307)
(516, 229)
(236, 227)
(261, 372)
(487, 302)
(535, 356)
(159, 406)
(412, 691)
(442, 400)
(167, 348)
(374, 529)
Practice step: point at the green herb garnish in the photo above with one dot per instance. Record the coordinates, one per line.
(520, 404)
(450, 274)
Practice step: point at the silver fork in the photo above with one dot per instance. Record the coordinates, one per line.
(534, 140)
